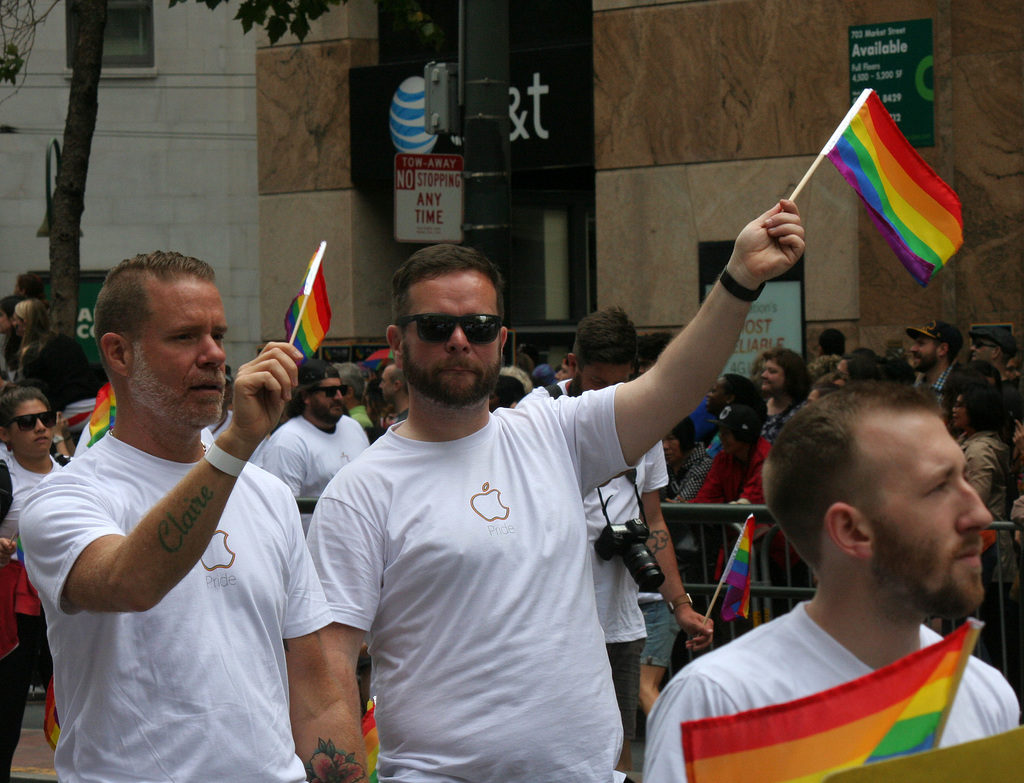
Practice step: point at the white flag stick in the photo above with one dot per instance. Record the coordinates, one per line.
(307, 288)
(857, 104)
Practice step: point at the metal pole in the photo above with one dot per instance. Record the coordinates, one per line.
(484, 83)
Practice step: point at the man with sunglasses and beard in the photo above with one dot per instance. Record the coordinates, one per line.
(183, 611)
(458, 540)
(318, 439)
(872, 491)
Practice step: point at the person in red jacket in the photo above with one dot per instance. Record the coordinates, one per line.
(735, 475)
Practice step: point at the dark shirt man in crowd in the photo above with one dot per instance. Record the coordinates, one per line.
(996, 345)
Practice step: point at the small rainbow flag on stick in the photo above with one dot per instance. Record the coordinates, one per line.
(103, 414)
(51, 723)
(916, 212)
(897, 710)
(736, 574)
(309, 316)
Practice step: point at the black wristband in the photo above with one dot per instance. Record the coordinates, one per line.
(746, 294)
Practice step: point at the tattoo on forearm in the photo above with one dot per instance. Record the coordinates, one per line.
(329, 765)
(172, 531)
(659, 540)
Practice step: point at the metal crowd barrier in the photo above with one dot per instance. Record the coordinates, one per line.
(699, 531)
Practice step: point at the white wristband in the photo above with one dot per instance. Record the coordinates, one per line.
(223, 461)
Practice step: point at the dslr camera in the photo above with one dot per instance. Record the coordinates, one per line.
(628, 540)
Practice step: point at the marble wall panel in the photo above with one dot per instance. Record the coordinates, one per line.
(303, 114)
(989, 163)
(650, 221)
(696, 82)
(987, 26)
(291, 226)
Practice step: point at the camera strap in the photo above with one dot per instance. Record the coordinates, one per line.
(631, 475)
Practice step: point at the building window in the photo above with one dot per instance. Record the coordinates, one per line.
(128, 37)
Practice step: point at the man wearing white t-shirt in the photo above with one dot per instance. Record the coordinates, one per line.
(603, 355)
(183, 610)
(458, 540)
(871, 490)
(319, 439)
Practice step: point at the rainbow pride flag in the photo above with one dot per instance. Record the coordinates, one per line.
(309, 316)
(370, 741)
(51, 724)
(737, 575)
(894, 711)
(103, 414)
(917, 213)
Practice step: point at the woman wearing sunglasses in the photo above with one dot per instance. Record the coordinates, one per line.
(26, 427)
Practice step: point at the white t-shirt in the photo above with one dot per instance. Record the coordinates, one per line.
(468, 563)
(306, 458)
(789, 658)
(195, 688)
(23, 481)
(616, 590)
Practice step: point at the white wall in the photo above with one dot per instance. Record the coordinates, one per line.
(173, 163)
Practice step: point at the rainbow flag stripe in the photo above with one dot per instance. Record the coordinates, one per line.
(370, 741)
(916, 212)
(737, 575)
(894, 711)
(103, 414)
(51, 724)
(316, 320)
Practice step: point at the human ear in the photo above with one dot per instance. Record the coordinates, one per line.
(117, 350)
(849, 530)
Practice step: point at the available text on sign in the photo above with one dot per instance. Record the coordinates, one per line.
(428, 198)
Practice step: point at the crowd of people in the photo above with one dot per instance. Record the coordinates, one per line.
(488, 557)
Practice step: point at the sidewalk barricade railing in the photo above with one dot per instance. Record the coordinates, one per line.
(700, 531)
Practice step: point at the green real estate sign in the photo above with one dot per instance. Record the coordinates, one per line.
(895, 60)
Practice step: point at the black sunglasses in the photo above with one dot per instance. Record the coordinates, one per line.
(438, 327)
(27, 421)
(331, 391)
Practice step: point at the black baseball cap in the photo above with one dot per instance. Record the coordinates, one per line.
(315, 370)
(941, 331)
(1000, 335)
(742, 421)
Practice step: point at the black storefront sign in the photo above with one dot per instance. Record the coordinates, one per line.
(551, 108)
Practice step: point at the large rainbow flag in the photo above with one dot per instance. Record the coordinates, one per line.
(895, 711)
(103, 414)
(917, 213)
(737, 575)
(310, 309)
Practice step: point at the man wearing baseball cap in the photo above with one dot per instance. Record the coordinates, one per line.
(735, 475)
(996, 345)
(318, 439)
(933, 353)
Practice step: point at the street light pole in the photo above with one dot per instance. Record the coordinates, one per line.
(484, 84)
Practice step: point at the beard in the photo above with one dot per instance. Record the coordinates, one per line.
(923, 363)
(149, 392)
(904, 567)
(430, 381)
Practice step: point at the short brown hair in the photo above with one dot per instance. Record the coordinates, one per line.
(605, 337)
(437, 260)
(815, 460)
(123, 305)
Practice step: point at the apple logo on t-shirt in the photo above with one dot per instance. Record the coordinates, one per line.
(218, 554)
(487, 504)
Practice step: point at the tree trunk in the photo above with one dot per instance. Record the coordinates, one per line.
(69, 194)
